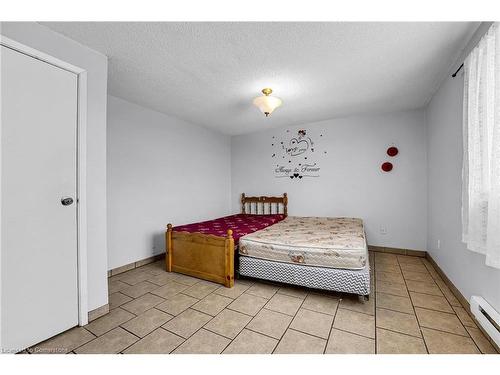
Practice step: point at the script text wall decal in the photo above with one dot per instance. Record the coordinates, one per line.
(296, 155)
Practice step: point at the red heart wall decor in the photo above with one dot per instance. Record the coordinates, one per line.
(387, 167)
(392, 151)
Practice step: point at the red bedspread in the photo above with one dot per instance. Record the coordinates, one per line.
(241, 224)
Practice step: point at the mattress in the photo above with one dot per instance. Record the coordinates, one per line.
(313, 241)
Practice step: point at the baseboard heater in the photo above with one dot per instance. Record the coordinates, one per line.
(487, 316)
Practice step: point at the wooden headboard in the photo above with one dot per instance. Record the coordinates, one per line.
(257, 205)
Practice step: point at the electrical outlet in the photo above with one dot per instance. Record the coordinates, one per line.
(383, 230)
(438, 244)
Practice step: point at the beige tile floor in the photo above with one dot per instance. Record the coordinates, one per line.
(410, 310)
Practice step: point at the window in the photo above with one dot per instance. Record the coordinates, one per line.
(481, 141)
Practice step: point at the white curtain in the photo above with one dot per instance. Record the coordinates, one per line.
(481, 141)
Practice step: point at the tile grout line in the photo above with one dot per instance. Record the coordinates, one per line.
(220, 334)
(102, 334)
(443, 312)
(416, 291)
(428, 294)
(142, 312)
(447, 332)
(195, 332)
(212, 318)
(262, 308)
(252, 316)
(401, 333)
(161, 326)
(95, 337)
(184, 340)
(439, 311)
(263, 334)
(402, 312)
(215, 333)
(139, 339)
(320, 312)
(460, 305)
(356, 311)
(439, 330)
(135, 315)
(339, 307)
(288, 327)
(229, 343)
(331, 328)
(298, 330)
(356, 334)
(310, 334)
(438, 277)
(150, 333)
(415, 312)
(291, 321)
(257, 313)
(406, 334)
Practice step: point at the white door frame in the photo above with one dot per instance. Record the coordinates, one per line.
(81, 168)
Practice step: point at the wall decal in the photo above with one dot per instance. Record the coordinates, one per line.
(298, 151)
(387, 167)
(392, 151)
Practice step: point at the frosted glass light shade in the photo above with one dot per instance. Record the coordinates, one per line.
(267, 104)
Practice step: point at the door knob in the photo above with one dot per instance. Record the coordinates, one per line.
(66, 201)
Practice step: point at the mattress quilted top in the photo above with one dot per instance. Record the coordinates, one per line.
(310, 232)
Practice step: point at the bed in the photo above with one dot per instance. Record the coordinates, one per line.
(206, 250)
(323, 253)
(320, 253)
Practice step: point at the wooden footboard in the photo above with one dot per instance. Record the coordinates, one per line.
(211, 257)
(201, 255)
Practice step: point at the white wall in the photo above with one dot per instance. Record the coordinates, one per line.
(351, 182)
(467, 270)
(160, 170)
(45, 40)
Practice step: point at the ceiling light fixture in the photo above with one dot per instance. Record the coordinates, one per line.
(266, 103)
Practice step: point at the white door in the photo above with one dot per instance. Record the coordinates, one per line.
(39, 296)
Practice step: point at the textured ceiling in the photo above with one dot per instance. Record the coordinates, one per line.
(208, 73)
